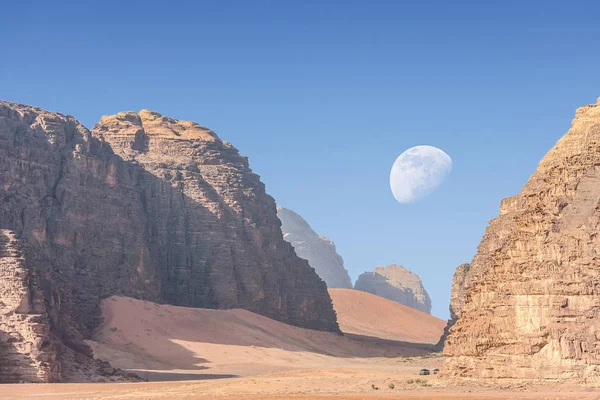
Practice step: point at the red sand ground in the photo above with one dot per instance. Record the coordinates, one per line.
(236, 354)
(362, 313)
(162, 342)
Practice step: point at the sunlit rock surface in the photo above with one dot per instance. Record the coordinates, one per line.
(531, 299)
(457, 300)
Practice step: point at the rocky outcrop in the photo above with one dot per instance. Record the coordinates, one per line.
(317, 250)
(27, 351)
(398, 284)
(457, 299)
(531, 297)
(212, 235)
(147, 207)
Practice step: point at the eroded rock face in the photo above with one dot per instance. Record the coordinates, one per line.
(27, 351)
(172, 215)
(457, 299)
(532, 295)
(211, 227)
(317, 250)
(398, 284)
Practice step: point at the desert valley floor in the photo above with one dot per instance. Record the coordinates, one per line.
(232, 354)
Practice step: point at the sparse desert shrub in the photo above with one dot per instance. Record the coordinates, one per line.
(418, 382)
(374, 387)
(391, 386)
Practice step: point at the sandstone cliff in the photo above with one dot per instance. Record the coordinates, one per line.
(531, 297)
(171, 214)
(398, 284)
(457, 299)
(317, 250)
(27, 351)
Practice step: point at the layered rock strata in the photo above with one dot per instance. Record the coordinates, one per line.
(457, 299)
(212, 234)
(532, 295)
(398, 284)
(172, 215)
(319, 251)
(27, 351)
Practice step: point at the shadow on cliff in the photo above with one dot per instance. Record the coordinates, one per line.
(144, 237)
(189, 274)
(96, 225)
(15, 365)
(156, 352)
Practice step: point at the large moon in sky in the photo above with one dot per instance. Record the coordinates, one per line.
(417, 172)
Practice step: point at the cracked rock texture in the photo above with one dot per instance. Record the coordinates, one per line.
(317, 250)
(145, 206)
(457, 300)
(529, 306)
(27, 351)
(398, 284)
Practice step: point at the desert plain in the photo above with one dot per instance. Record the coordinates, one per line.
(191, 353)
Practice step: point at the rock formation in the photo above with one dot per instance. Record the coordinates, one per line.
(398, 284)
(532, 295)
(147, 207)
(317, 250)
(457, 300)
(27, 351)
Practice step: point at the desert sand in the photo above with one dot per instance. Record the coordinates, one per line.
(362, 313)
(162, 342)
(233, 354)
(296, 385)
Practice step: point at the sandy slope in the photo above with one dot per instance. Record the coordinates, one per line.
(162, 342)
(361, 313)
(272, 360)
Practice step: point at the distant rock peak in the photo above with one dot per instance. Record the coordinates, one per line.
(398, 284)
(319, 251)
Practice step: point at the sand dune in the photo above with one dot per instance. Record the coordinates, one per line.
(361, 313)
(176, 343)
(162, 342)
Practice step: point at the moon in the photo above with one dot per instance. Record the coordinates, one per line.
(418, 172)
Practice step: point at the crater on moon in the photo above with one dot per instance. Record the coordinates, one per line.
(418, 171)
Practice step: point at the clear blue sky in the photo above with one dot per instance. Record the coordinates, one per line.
(322, 96)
